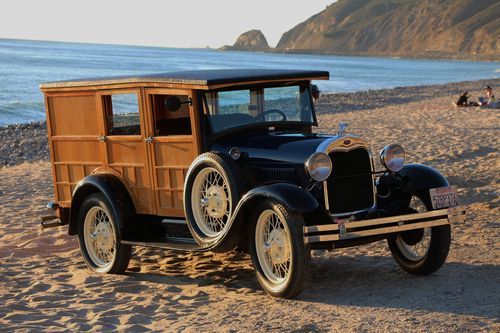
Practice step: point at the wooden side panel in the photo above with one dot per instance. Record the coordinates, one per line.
(74, 160)
(73, 115)
(128, 159)
(74, 127)
(172, 161)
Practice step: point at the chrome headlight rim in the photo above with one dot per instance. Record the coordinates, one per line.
(313, 164)
(393, 157)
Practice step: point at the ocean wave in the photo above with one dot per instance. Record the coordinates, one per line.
(14, 112)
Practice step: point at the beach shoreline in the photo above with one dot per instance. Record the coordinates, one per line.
(45, 285)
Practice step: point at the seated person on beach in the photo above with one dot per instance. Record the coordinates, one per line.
(490, 100)
(463, 100)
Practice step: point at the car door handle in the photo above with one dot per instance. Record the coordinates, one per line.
(102, 138)
(149, 139)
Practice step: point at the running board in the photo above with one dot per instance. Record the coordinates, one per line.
(385, 225)
(171, 243)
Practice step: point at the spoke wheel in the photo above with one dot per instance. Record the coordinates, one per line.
(279, 255)
(273, 246)
(423, 251)
(99, 237)
(415, 245)
(213, 187)
(211, 200)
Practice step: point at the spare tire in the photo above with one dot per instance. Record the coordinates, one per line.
(212, 191)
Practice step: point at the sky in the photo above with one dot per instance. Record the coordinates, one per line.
(170, 23)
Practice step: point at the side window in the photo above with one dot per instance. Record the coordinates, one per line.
(171, 114)
(122, 114)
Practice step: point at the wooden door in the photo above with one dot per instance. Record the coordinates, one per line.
(124, 144)
(173, 145)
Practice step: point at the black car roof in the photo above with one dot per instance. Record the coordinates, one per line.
(197, 77)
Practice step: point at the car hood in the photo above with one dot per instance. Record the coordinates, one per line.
(272, 147)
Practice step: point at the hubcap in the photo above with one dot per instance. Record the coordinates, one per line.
(99, 237)
(215, 201)
(211, 202)
(273, 247)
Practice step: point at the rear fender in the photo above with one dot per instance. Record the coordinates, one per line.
(111, 188)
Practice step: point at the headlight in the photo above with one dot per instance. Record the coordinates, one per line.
(393, 157)
(319, 166)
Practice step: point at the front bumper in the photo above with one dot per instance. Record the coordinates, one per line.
(385, 225)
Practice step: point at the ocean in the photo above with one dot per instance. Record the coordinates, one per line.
(25, 64)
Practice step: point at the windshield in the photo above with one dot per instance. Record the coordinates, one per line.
(257, 106)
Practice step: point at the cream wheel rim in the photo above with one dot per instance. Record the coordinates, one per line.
(417, 251)
(99, 236)
(211, 202)
(273, 247)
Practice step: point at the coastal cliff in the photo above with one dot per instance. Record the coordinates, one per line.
(425, 28)
(253, 40)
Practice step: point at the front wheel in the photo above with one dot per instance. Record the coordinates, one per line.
(279, 255)
(422, 251)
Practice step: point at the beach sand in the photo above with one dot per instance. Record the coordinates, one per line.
(45, 285)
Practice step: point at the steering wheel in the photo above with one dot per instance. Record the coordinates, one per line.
(262, 116)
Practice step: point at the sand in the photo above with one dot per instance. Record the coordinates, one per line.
(45, 285)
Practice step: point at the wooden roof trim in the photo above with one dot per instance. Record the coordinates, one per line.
(157, 83)
(108, 82)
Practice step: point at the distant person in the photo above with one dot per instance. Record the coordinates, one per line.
(463, 100)
(489, 92)
(315, 92)
(491, 102)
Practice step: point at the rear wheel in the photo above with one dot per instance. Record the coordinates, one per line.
(279, 255)
(99, 239)
(422, 251)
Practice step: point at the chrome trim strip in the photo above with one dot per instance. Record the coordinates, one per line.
(325, 193)
(347, 214)
(174, 221)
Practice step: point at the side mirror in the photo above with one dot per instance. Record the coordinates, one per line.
(173, 103)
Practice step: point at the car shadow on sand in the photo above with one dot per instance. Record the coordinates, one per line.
(359, 280)
(377, 281)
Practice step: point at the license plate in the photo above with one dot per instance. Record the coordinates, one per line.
(444, 197)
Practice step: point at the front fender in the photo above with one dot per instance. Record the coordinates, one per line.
(422, 177)
(413, 179)
(111, 188)
(293, 197)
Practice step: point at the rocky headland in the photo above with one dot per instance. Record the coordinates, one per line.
(253, 40)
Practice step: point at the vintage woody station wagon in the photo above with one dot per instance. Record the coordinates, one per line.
(213, 160)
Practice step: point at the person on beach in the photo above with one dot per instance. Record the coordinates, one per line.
(489, 93)
(491, 102)
(463, 100)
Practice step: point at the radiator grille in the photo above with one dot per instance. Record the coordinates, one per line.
(350, 186)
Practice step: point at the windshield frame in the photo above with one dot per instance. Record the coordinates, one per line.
(267, 124)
